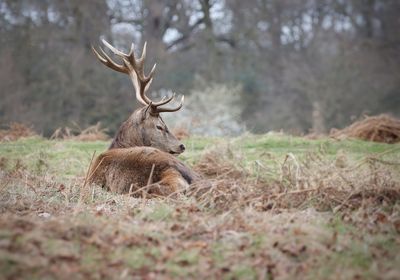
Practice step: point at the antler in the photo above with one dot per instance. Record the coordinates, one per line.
(135, 69)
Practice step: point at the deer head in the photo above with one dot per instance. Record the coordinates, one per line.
(144, 127)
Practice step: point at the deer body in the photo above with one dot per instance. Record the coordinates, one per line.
(121, 170)
(141, 154)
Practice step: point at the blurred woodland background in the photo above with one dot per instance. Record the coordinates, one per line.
(259, 65)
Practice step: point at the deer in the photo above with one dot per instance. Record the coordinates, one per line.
(143, 154)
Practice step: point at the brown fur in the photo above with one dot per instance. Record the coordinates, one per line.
(119, 169)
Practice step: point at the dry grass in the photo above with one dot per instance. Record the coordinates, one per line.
(91, 133)
(15, 131)
(227, 184)
(326, 184)
(316, 215)
(382, 128)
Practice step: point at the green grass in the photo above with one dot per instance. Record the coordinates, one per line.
(66, 158)
(281, 145)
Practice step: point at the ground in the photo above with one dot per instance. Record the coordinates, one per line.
(274, 207)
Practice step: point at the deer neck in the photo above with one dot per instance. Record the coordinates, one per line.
(130, 134)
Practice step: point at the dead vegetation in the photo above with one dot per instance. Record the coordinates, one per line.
(227, 184)
(312, 181)
(91, 133)
(15, 131)
(312, 215)
(382, 128)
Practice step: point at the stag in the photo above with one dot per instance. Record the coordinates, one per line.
(143, 151)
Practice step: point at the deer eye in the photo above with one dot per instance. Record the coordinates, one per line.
(159, 127)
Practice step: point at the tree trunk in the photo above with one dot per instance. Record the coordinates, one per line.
(318, 125)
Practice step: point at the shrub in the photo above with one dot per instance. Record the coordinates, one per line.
(213, 110)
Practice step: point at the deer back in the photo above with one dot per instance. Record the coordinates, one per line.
(122, 169)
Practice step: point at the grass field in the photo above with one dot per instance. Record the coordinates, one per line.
(275, 207)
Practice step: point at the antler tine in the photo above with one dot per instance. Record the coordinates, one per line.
(107, 61)
(164, 100)
(131, 50)
(131, 55)
(144, 52)
(139, 64)
(151, 73)
(149, 77)
(161, 110)
(113, 49)
(102, 59)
